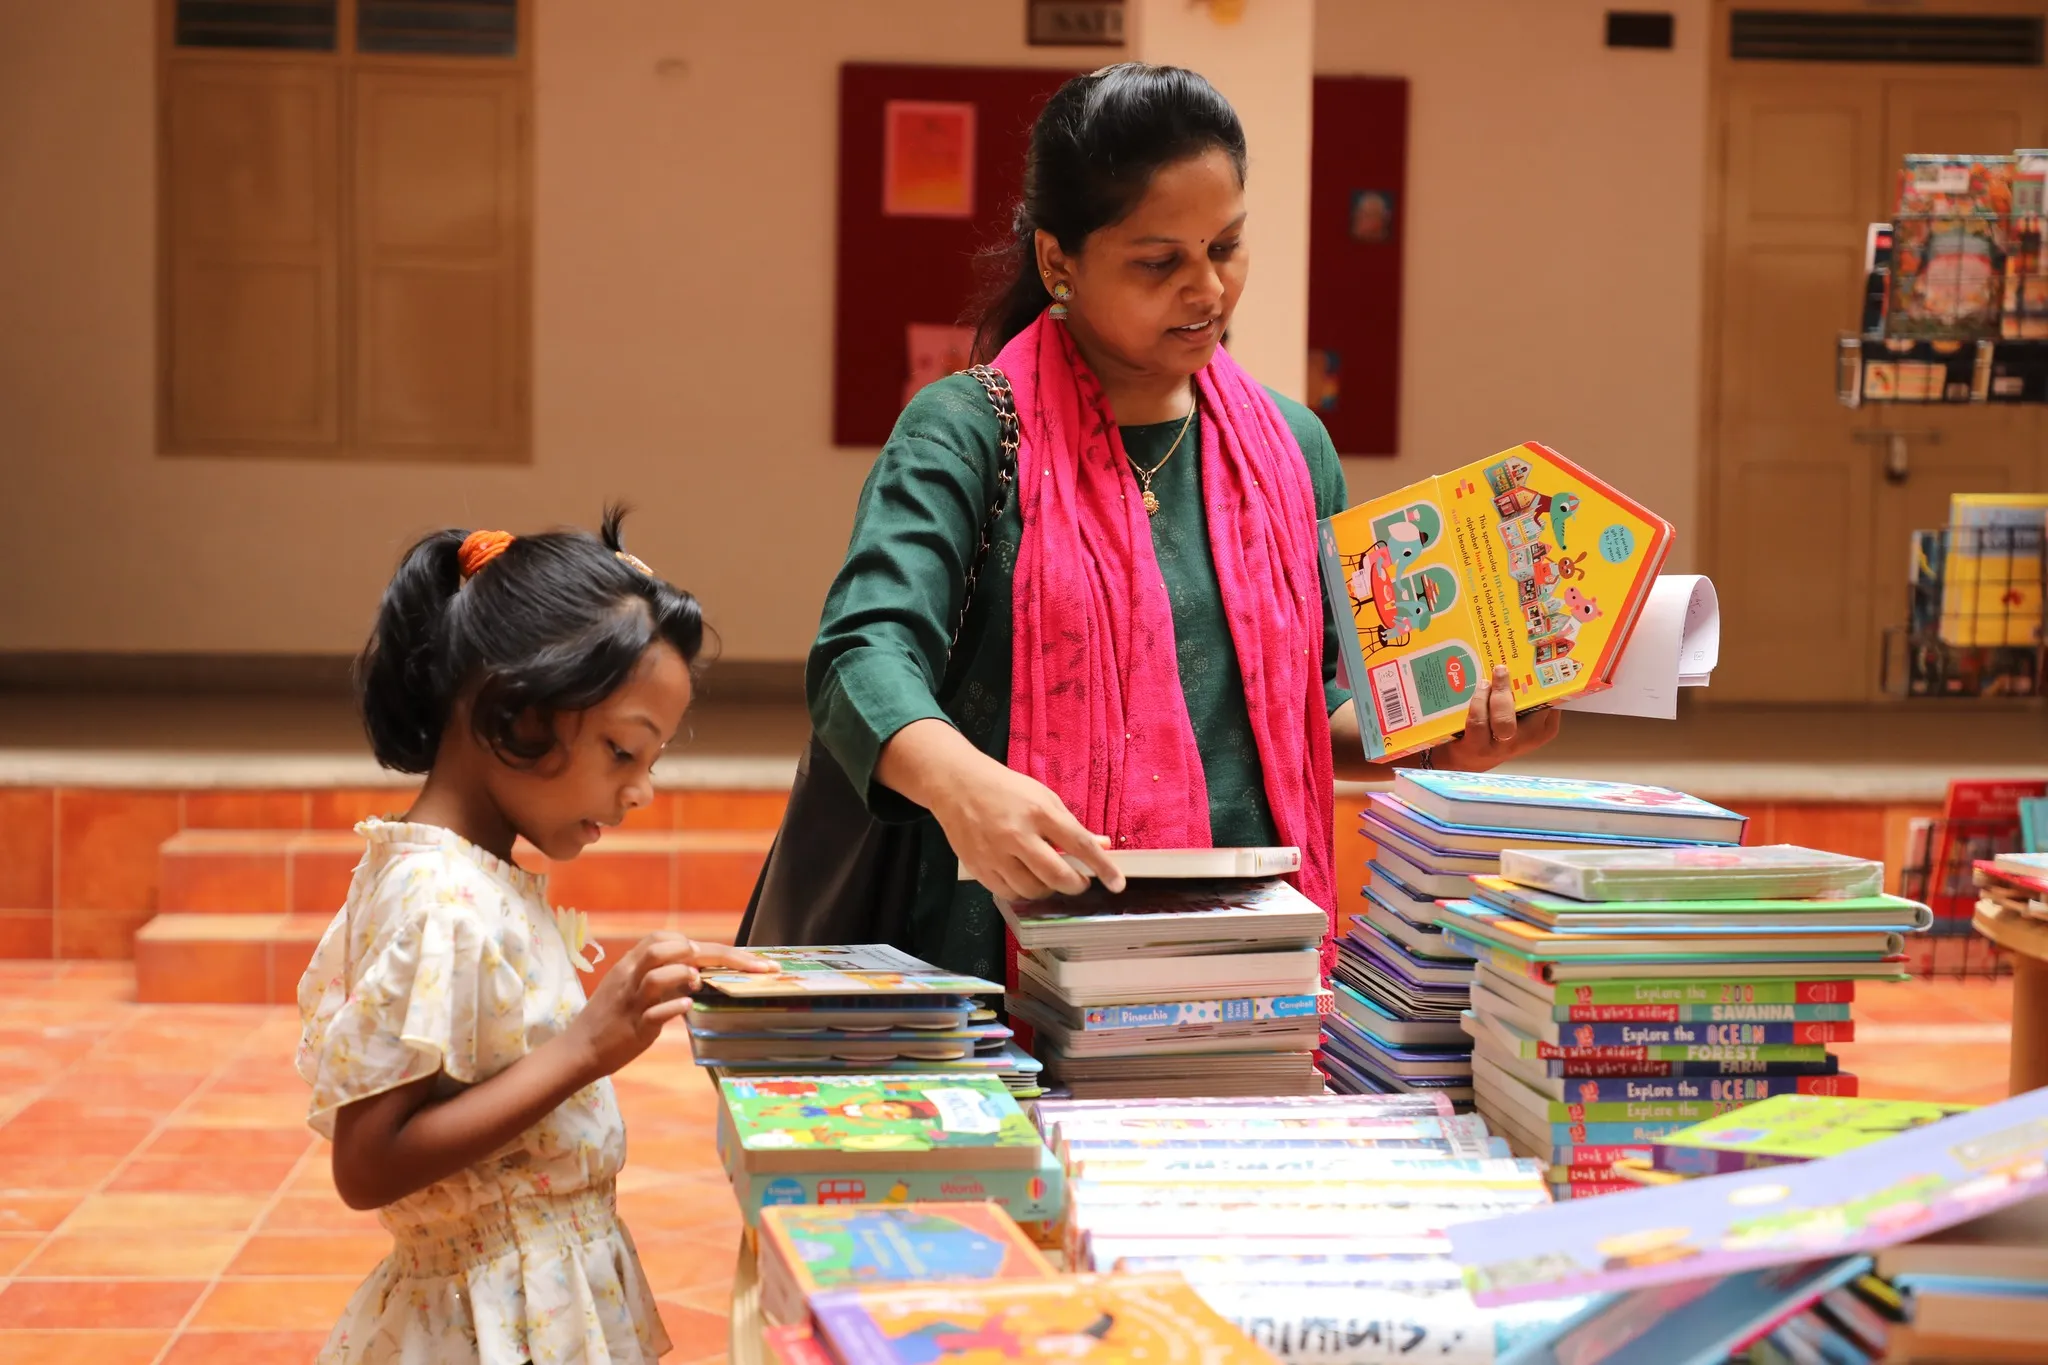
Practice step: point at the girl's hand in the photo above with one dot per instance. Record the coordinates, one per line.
(1009, 831)
(1493, 734)
(651, 985)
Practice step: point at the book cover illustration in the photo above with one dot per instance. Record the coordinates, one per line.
(830, 1117)
(1099, 1319)
(1693, 873)
(1524, 559)
(1790, 1128)
(1889, 1192)
(1560, 793)
(855, 969)
(828, 1248)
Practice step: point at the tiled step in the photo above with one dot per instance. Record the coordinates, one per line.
(254, 959)
(301, 872)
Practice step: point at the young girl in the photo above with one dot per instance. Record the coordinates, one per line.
(454, 1060)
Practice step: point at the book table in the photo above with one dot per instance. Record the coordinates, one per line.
(2026, 946)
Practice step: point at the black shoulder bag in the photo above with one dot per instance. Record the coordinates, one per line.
(836, 874)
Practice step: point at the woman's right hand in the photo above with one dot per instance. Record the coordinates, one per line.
(1009, 831)
(648, 987)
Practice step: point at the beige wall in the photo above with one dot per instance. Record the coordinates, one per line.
(685, 183)
(1554, 236)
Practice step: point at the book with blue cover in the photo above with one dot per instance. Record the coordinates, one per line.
(1390, 809)
(1894, 1191)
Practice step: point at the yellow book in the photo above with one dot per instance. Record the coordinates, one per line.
(1992, 573)
(1524, 559)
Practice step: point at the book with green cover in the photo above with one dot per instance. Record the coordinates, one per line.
(1690, 873)
(825, 1123)
(1792, 1128)
(1566, 913)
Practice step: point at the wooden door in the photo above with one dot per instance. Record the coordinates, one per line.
(1793, 486)
(1810, 504)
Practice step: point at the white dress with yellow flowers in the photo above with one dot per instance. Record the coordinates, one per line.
(447, 961)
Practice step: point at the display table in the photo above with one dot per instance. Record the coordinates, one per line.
(2026, 946)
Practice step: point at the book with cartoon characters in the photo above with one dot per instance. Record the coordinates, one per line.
(1095, 1319)
(808, 1250)
(1784, 1129)
(1524, 559)
(845, 970)
(1898, 1190)
(823, 1123)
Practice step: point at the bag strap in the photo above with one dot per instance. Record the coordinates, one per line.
(1005, 404)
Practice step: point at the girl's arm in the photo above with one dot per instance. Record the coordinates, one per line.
(394, 1144)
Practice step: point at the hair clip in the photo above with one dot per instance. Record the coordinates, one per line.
(480, 548)
(633, 561)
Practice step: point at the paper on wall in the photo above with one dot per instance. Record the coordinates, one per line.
(1676, 643)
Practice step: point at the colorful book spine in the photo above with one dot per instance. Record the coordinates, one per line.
(1700, 1014)
(1587, 1189)
(1705, 1052)
(1603, 1134)
(1693, 993)
(1726, 1090)
(1249, 1010)
(1601, 1157)
(1652, 1111)
(1027, 1196)
(1827, 1065)
(1705, 1035)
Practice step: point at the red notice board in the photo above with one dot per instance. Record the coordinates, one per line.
(1358, 216)
(915, 268)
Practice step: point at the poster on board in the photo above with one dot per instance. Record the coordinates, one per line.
(927, 159)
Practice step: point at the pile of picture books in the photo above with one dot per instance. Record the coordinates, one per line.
(1936, 1234)
(1622, 994)
(2013, 884)
(857, 1009)
(807, 1250)
(1400, 984)
(1315, 1225)
(882, 1139)
(1201, 977)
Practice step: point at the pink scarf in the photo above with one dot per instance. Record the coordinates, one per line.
(1096, 711)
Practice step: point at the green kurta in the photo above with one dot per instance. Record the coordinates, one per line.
(880, 661)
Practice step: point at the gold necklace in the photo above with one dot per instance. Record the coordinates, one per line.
(1145, 475)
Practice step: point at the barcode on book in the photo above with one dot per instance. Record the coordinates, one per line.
(1390, 698)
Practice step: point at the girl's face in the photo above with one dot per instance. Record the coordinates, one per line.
(1154, 293)
(602, 765)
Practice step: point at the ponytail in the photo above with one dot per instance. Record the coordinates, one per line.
(404, 702)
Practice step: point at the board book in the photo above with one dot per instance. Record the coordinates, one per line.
(1474, 922)
(1566, 915)
(1915, 1184)
(1545, 804)
(815, 1123)
(1690, 873)
(1033, 1194)
(1791, 1128)
(868, 969)
(1524, 560)
(1539, 1025)
(807, 1250)
(1092, 1319)
(1161, 912)
(1391, 811)
(1142, 864)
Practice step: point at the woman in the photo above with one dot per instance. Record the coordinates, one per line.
(1147, 659)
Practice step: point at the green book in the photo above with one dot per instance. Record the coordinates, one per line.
(1696, 994)
(790, 1124)
(1791, 1128)
(1563, 912)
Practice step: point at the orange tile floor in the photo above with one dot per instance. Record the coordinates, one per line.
(162, 1202)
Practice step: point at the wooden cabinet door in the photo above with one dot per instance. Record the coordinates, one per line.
(1791, 498)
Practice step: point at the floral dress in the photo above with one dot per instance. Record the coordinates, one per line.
(446, 961)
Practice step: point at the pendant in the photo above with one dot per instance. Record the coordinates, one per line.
(1151, 504)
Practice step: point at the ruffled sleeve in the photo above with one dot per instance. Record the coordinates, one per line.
(403, 985)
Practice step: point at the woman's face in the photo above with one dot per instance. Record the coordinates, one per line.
(1153, 294)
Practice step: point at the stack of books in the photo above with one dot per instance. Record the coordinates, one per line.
(1936, 1232)
(1201, 977)
(1605, 1019)
(1318, 1226)
(884, 1140)
(1400, 984)
(855, 1009)
(2013, 884)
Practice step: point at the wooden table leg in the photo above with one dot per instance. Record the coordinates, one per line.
(2029, 1022)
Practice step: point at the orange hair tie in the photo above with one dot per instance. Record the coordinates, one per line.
(480, 548)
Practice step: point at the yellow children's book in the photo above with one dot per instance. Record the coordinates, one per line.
(1524, 559)
(1992, 577)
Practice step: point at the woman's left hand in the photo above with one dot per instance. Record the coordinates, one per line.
(1493, 733)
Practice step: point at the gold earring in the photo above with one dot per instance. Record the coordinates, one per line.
(1061, 292)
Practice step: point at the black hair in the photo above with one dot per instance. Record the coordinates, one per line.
(556, 622)
(1094, 150)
